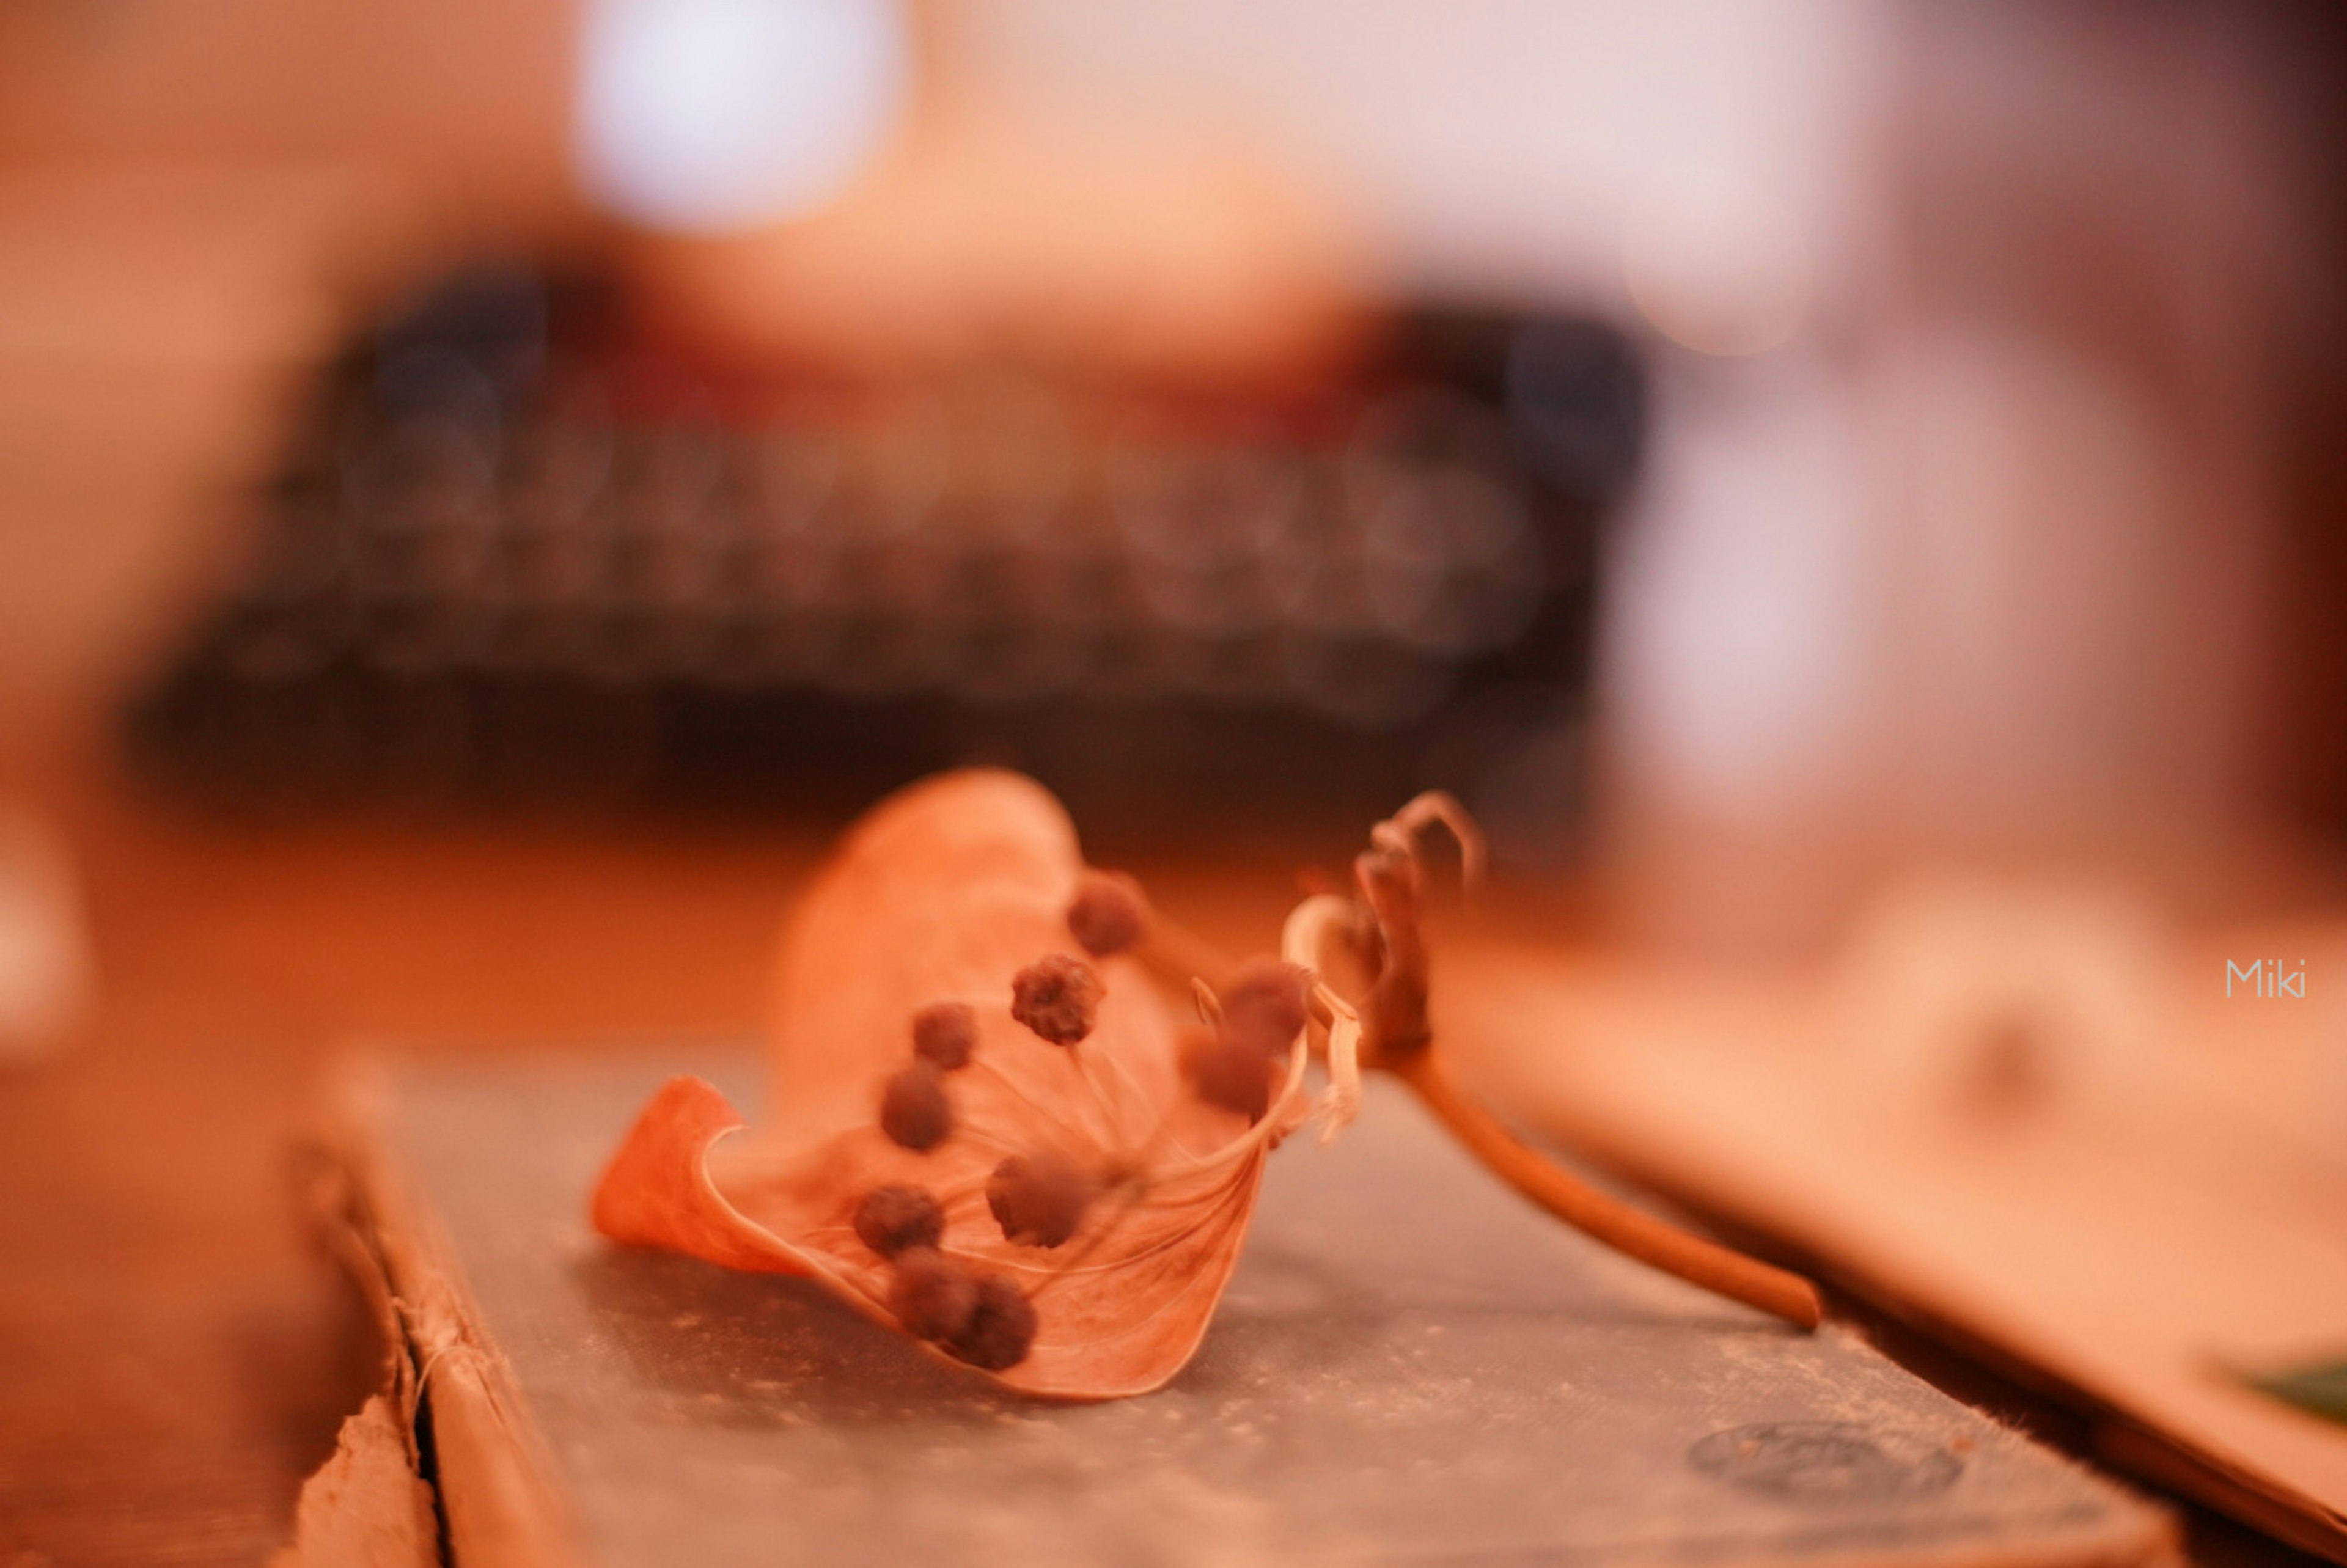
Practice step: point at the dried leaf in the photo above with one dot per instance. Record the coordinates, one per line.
(940, 895)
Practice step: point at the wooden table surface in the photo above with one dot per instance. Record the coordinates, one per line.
(174, 1358)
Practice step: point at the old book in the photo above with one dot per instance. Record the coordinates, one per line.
(1411, 1366)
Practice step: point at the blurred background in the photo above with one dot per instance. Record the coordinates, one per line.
(1781, 445)
(478, 481)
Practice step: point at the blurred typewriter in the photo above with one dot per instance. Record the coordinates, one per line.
(513, 557)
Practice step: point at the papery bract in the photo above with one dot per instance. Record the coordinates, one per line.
(941, 894)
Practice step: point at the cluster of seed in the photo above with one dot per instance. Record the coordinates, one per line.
(1235, 1063)
(981, 1318)
(914, 1109)
(977, 1318)
(1038, 1199)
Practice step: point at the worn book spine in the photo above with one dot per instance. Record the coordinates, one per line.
(447, 1410)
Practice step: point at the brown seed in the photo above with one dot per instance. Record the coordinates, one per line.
(1108, 914)
(944, 1033)
(1057, 997)
(914, 1111)
(1000, 1328)
(932, 1296)
(1038, 1199)
(1230, 1072)
(892, 1218)
(1266, 1005)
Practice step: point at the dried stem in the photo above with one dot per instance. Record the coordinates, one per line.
(1388, 1027)
(1625, 1229)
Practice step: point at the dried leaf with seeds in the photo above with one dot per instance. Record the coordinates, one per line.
(1136, 1192)
(992, 1131)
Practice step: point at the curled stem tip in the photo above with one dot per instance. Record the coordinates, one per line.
(1440, 807)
